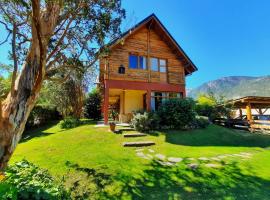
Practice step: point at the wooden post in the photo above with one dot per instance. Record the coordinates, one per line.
(106, 105)
(148, 101)
(240, 113)
(260, 111)
(248, 110)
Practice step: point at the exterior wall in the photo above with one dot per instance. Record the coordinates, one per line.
(137, 43)
(133, 101)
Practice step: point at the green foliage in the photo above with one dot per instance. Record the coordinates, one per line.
(92, 105)
(42, 114)
(70, 122)
(62, 97)
(177, 113)
(5, 84)
(211, 106)
(145, 122)
(26, 181)
(114, 114)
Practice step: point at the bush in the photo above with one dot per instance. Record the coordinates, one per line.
(92, 106)
(177, 113)
(200, 122)
(145, 122)
(70, 122)
(41, 115)
(24, 180)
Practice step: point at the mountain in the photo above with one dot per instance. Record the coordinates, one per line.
(235, 87)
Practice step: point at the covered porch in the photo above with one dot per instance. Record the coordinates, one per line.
(125, 102)
(128, 96)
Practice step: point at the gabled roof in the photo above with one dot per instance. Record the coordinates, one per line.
(154, 22)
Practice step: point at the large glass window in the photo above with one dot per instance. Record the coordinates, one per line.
(154, 64)
(158, 98)
(133, 61)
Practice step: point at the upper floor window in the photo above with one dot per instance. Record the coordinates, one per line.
(137, 62)
(162, 65)
(154, 64)
(158, 65)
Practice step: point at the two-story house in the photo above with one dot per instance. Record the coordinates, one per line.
(144, 67)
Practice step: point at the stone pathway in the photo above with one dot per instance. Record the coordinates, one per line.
(193, 163)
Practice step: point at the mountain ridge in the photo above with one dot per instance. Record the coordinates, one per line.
(232, 87)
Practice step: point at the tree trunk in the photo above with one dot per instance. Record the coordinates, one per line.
(16, 108)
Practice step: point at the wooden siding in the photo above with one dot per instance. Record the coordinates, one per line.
(137, 43)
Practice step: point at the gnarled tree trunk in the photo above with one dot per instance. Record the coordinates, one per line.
(16, 108)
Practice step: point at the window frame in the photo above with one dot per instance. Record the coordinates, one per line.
(158, 59)
(138, 56)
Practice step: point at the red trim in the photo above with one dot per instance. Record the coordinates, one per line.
(134, 85)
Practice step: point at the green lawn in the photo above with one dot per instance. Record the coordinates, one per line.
(93, 160)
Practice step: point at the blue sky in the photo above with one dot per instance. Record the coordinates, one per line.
(223, 38)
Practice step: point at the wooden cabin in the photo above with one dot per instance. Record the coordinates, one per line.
(143, 67)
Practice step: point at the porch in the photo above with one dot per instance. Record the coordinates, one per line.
(127, 96)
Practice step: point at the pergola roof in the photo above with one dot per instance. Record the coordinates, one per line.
(254, 101)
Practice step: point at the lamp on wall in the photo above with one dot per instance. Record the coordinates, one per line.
(121, 69)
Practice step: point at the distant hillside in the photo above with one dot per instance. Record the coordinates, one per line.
(235, 87)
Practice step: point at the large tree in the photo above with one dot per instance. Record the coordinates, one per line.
(44, 35)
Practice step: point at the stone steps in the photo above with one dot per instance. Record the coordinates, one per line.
(134, 135)
(138, 144)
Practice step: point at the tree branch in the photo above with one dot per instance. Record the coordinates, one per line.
(15, 60)
(60, 40)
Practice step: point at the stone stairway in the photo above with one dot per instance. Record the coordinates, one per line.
(136, 143)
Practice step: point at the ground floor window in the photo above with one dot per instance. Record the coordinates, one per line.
(157, 98)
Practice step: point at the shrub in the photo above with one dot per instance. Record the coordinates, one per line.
(92, 106)
(42, 114)
(145, 122)
(70, 122)
(24, 180)
(177, 113)
(200, 122)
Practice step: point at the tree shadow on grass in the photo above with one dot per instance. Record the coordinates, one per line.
(161, 182)
(38, 132)
(86, 183)
(216, 136)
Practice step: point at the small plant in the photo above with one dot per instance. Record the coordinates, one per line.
(200, 122)
(70, 122)
(145, 122)
(114, 114)
(24, 180)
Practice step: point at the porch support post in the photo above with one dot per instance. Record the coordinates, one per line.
(240, 113)
(106, 105)
(248, 110)
(148, 101)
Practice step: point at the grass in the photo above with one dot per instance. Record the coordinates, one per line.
(93, 162)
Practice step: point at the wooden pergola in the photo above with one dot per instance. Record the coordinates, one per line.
(251, 102)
